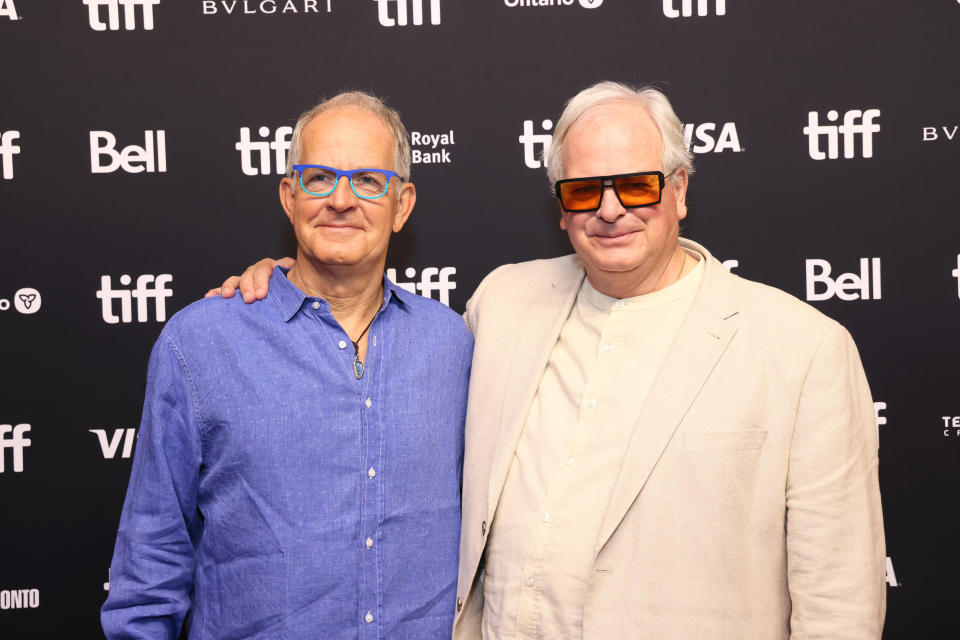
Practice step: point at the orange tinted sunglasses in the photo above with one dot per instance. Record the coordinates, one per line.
(639, 189)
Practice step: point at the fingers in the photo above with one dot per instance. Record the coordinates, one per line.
(212, 293)
(229, 287)
(286, 263)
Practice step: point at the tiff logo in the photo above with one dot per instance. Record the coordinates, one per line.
(383, 12)
(855, 123)
(113, 14)
(110, 445)
(7, 8)
(531, 140)
(686, 8)
(846, 286)
(142, 293)
(7, 151)
(443, 285)
(151, 157)
(279, 145)
(12, 438)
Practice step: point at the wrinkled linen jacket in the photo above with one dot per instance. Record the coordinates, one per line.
(747, 503)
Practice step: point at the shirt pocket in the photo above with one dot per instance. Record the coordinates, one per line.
(721, 441)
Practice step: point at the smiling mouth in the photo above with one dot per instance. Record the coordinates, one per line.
(614, 236)
(339, 227)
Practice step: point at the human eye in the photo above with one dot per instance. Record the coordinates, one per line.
(318, 179)
(370, 182)
(635, 185)
(585, 188)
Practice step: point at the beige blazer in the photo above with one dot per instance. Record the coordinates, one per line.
(746, 505)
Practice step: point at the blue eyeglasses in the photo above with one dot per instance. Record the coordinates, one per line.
(369, 184)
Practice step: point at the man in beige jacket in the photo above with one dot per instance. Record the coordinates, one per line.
(656, 448)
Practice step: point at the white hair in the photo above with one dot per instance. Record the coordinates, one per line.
(675, 153)
(365, 102)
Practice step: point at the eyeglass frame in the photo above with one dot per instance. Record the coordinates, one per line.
(349, 175)
(603, 186)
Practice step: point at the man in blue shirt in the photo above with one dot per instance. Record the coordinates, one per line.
(298, 468)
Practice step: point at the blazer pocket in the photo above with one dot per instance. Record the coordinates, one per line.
(698, 442)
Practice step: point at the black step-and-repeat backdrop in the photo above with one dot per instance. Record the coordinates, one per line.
(141, 143)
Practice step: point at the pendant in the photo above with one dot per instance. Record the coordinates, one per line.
(357, 368)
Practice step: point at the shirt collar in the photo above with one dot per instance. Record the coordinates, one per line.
(290, 299)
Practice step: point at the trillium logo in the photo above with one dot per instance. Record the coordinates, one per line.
(26, 300)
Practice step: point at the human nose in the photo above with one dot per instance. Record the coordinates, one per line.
(342, 196)
(610, 207)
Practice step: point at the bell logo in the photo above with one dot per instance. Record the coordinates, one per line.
(142, 293)
(443, 285)
(113, 14)
(151, 157)
(7, 8)
(110, 445)
(686, 8)
(726, 140)
(279, 145)
(855, 123)
(531, 140)
(416, 10)
(12, 438)
(7, 151)
(847, 286)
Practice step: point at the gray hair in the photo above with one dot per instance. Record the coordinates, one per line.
(675, 153)
(365, 102)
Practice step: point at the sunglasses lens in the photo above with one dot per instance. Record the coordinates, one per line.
(580, 195)
(636, 191)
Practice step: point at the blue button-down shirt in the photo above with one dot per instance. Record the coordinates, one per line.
(274, 495)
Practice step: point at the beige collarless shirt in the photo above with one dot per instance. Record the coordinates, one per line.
(543, 539)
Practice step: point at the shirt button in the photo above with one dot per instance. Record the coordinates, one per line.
(316, 305)
(531, 581)
(368, 617)
(369, 542)
(592, 402)
(621, 303)
(570, 462)
(459, 604)
(483, 528)
(372, 472)
(342, 344)
(546, 516)
(368, 403)
(607, 347)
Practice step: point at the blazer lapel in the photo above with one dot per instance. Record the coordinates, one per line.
(702, 339)
(537, 334)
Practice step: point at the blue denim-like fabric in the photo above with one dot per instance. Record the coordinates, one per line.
(251, 498)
